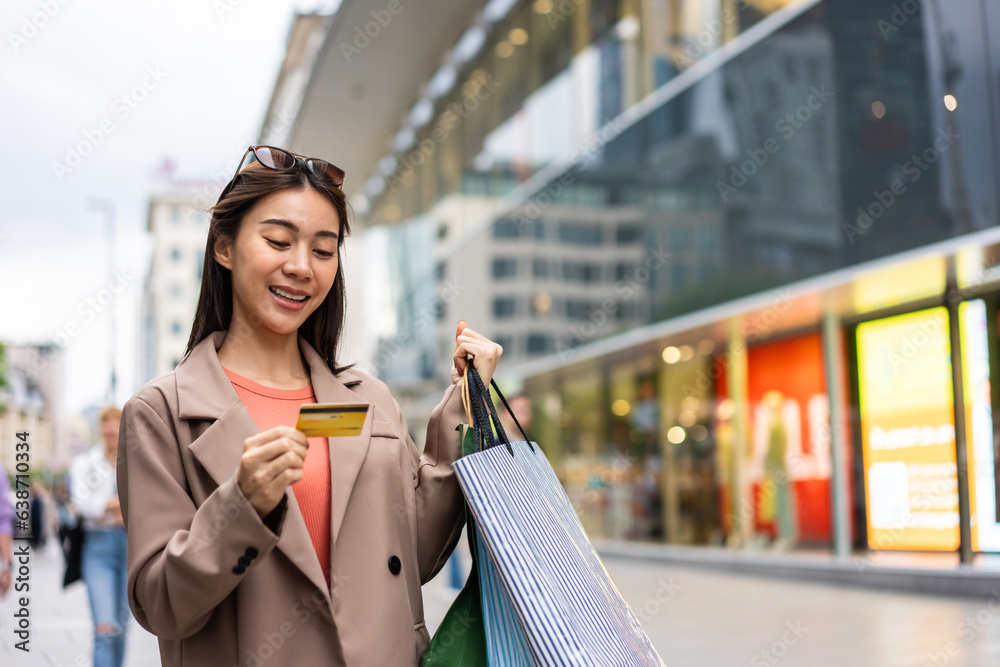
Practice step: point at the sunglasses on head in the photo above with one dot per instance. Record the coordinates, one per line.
(279, 159)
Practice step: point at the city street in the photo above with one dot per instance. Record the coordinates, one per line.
(733, 266)
(694, 617)
(61, 631)
(716, 619)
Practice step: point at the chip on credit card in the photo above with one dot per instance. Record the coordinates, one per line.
(332, 419)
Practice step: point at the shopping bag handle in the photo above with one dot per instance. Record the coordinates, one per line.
(481, 420)
(466, 402)
(479, 394)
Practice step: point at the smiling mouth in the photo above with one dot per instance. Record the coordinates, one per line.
(286, 296)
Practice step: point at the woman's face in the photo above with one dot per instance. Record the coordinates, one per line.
(283, 260)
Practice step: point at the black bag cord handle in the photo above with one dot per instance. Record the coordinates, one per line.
(482, 391)
(485, 394)
(484, 434)
(520, 428)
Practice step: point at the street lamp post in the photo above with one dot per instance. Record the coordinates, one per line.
(108, 207)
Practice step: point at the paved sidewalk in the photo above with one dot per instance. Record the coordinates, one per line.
(694, 617)
(702, 618)
(911, 572)
(698, 617)
(61, 630)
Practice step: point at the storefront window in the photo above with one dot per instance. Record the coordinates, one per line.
(908, 432)
(692, 513)
(983, 498)
(907, 416)
(788, 464)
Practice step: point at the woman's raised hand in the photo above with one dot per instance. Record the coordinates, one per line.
(486, 353)
(271, 461)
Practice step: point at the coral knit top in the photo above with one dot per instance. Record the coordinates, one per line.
(270, 407)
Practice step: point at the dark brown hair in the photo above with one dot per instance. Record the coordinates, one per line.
(323, 328)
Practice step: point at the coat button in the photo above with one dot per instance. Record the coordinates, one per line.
(394, 565)
(244, 561)
(239, 569)
(252, 553)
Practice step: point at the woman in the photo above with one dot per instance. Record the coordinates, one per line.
(243, 548)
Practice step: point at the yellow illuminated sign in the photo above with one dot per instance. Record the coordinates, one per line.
(908, 432)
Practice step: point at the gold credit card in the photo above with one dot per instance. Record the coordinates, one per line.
(332, 419)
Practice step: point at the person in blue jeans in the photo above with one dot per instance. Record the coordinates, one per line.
(93, 488)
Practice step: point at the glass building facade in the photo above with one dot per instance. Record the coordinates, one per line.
(680, 217)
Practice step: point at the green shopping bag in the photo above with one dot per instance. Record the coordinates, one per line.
(460, 640)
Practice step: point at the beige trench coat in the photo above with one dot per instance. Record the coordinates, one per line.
(220, 588)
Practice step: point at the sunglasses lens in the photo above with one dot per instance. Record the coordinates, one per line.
(275, 158)
(323, 168)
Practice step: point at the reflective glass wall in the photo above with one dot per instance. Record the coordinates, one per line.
(612, 164)
(615, 164)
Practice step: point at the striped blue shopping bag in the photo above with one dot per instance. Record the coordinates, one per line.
(547, 599)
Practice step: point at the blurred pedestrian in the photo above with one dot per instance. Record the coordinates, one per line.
(66, 513)
(243, 549)
(39, 514)
(70, 532)
(94, 489)
(520, 405)
(6, 533)
(777, 489)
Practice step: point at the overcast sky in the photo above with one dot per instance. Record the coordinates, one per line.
(134, 83)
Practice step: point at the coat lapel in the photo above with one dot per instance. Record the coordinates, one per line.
(347, 453)
(205, 392)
